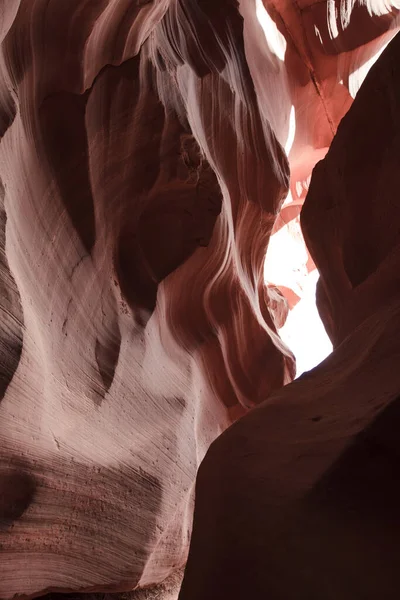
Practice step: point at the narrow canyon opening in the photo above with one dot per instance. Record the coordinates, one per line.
(288, 267)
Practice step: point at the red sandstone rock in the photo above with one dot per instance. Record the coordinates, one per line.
(299, 498)
(125, 351)
(143, 169)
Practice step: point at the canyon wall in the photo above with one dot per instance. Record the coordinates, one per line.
(299, 498)
(148, 152)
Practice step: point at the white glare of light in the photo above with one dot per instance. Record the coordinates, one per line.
(304, 332)
(275, 40)
(381, 7)
(286, 259)
(286, 266)
(346, 8)
(318, 33)
(377, 8)
(332, 19)
(292, 131)
(299, 189)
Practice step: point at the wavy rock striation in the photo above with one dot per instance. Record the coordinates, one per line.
(146, 152)
(299, 498)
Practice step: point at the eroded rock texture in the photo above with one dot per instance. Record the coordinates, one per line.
(146, 153)
(136, 243)
(299, 498)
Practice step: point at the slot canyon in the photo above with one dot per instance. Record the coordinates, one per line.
(199, 299)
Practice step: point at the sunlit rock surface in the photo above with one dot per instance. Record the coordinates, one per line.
(299, 499)
(148, 152)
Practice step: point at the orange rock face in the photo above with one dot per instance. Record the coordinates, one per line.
(148, 152)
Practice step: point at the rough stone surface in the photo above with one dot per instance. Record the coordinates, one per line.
(148, 151)
(298, 499)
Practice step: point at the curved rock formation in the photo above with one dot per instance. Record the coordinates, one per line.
(299, 498)
(146, 153)
(134, 284)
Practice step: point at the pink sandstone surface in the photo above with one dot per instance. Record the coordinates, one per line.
(148, 152)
